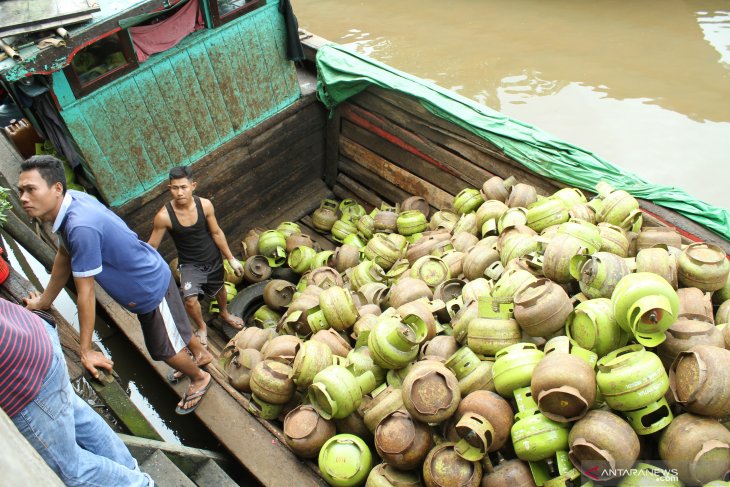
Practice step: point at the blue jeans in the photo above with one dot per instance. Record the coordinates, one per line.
(71, 437)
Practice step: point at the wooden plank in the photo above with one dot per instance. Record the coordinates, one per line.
(245, 90)
(403, 136)
(257, 65)
(268, 184)
(177, 108)
(126, 180)
(492, 164)
(264, 172)
(305, 117)
(362, 193)
(304, 200)
(689, 229)
(412, 105)
(126, 134)
(140, 118)
(247, 82)
(332, 132)
(96, 159)
(270, 57)
(279, 36)
(403, 159)
(19, 461)
(385, 190)
(147, 86)
(186, 458)
(451, 137)
(393, 174)
(218, 55)
(309, 124)
(209, 85)
(195, 99)
(275, 142)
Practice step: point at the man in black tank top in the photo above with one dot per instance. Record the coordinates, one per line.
(200, 242)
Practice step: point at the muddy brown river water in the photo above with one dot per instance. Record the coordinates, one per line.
(646, 85)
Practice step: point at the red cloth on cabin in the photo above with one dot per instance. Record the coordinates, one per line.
(151, 39)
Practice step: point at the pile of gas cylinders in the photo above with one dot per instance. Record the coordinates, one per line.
(512, 340)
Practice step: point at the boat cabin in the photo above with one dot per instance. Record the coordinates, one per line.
(148, 85)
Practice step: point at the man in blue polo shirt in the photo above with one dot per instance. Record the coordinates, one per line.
(97, 246)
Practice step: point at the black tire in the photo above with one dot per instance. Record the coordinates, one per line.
(245, 304)
(285, 273)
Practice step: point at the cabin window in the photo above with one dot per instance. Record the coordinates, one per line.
(222, 11)
(101, 62)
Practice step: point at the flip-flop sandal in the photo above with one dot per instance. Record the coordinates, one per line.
(191, 397)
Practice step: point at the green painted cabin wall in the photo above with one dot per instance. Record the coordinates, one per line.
(182, 104)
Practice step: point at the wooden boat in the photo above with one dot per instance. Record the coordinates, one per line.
(227, 102)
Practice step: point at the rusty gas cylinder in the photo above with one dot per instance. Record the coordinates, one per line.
(604, 439)
(700, 380)
(492, 407)
(698, 448)
(401, 441)
(542, 308)
(431, 392)
(443, 467)
(305, 431)
(694, 303)
(564, 386)
(512, 473)
(685, 334)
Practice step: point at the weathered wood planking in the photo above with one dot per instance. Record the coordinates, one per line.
(385, 190)
(410, 183)
(157, 115)
(448, 163)
(361, 192)
(402, 112)
(218, 47)
(279, 36)
(102, 170)
(274, 68)
(253, 176)
(408, 113)
(149, 134)
(298, 204)
(237, 148)
(183, 103)
(177, 108)
(332, 143)
(203, 72)
(119, 157)
(403, 158)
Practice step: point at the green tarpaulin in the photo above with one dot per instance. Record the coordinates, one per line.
(343, 73)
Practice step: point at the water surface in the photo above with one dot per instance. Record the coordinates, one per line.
(645, 85)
